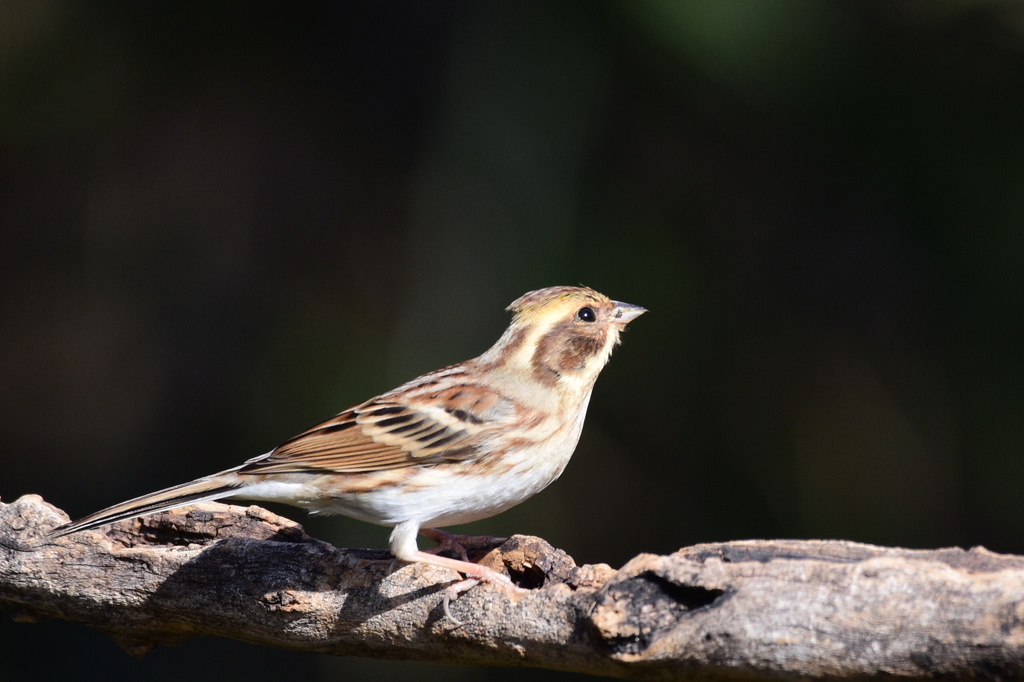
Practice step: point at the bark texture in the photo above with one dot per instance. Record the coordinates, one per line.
(736, 610)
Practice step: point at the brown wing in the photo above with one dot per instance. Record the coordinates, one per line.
(374, 436)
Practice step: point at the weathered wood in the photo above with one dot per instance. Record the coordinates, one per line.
(737, 610)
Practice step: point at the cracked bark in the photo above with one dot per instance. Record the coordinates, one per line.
(736, 610)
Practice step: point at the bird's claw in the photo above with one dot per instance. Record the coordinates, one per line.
(458, 543)
(453, 591)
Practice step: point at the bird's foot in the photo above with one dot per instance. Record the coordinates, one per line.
(475, 574)
(459, 544)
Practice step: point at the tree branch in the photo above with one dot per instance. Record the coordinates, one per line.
(740, 610)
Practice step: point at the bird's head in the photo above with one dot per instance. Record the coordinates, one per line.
(562, 335)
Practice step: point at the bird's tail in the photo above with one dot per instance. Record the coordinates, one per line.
(214, 487)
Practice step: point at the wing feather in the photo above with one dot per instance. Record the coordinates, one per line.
(391, 433)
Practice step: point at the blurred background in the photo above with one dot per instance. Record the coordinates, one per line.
(222, 223)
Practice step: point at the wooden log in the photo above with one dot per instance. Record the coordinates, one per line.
(736, 610)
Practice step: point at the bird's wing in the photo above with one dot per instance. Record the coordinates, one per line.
(420, 425)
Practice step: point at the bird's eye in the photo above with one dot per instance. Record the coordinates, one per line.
(586, 314)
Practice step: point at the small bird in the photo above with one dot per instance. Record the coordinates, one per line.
(455, 445)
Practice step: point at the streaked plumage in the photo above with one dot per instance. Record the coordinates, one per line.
(455, 445)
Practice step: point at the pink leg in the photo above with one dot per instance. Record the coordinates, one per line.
(403, 546)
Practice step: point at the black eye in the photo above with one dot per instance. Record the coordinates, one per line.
(586, 314)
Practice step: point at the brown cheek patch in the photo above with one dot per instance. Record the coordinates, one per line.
(577, 349)
(566, 348)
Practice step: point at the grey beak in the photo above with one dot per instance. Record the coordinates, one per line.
(624, 312)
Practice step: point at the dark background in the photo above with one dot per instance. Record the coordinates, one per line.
(222, 223)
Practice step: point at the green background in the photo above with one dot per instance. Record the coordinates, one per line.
(223, 223)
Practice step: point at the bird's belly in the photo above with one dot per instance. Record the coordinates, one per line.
(446, 494)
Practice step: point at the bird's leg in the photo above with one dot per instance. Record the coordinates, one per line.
(458, 543)
(403, 546)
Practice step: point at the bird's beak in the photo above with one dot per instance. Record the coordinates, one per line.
(624, 312)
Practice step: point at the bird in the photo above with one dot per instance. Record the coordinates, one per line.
(455, 445)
